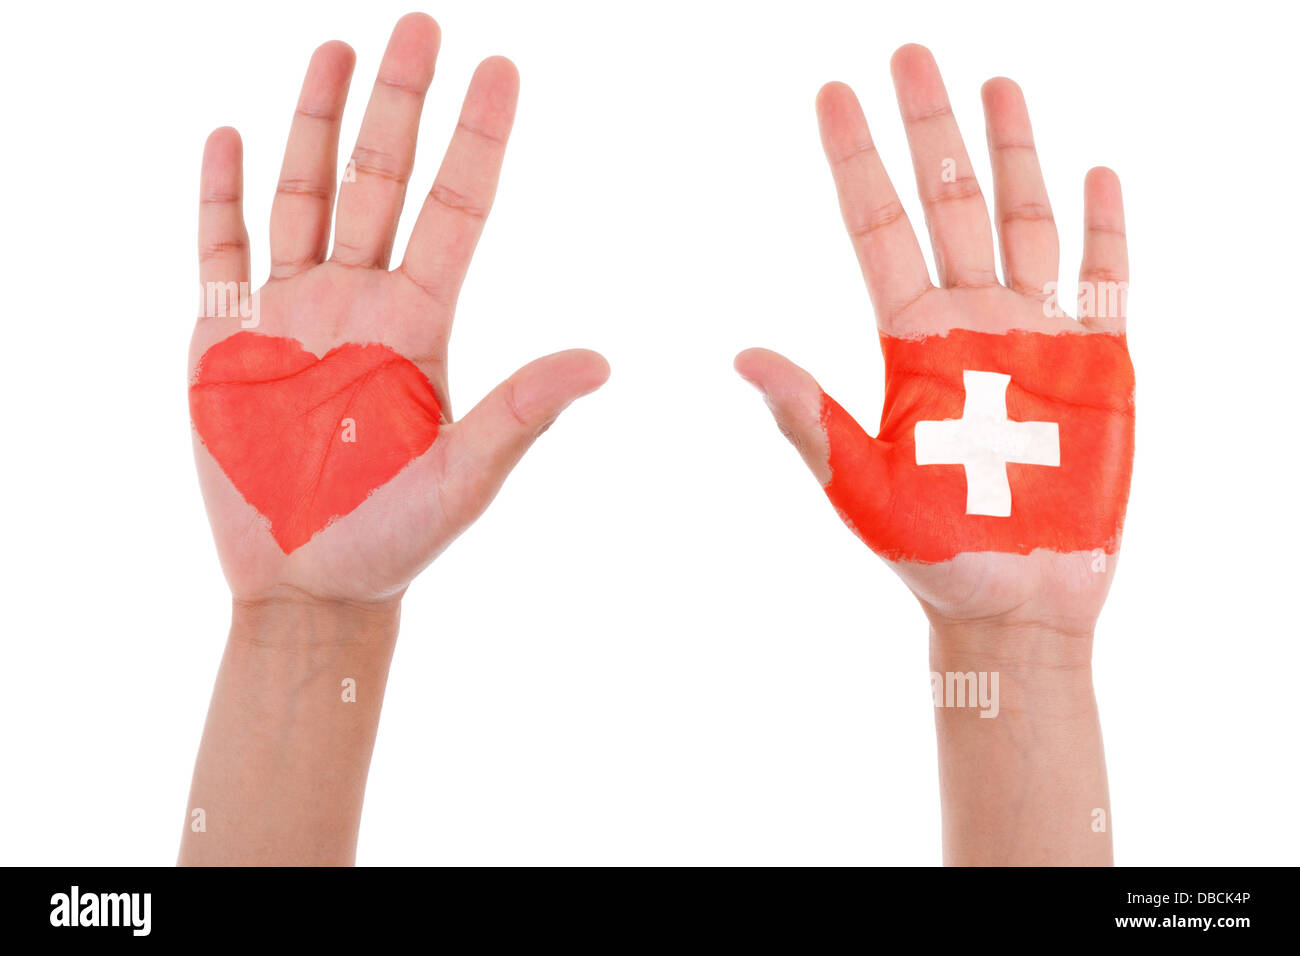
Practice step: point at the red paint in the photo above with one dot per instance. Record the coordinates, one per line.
(271, 413)
(907, 512)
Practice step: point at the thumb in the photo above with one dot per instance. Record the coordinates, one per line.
(489, 440)
(850, 465)
(795, 400)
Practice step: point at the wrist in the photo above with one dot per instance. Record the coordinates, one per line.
(290, 648)
(1036, 668)
(297, 623)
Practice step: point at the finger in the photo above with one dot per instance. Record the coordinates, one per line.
(489, 441)
(304, 197)
(795, 401)
(451, 220)
(1103, 275)
(370, 199)
(851, 466)
(1026, 230)
(223, 239)
(954, 206)
(883, 239)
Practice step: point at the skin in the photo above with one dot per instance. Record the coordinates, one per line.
(281, 770)
(1022, 788)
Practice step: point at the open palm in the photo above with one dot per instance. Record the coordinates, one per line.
(321, 303)
(1074, 368)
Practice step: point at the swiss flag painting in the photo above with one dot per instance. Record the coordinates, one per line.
(1001, 442)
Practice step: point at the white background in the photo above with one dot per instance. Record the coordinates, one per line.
(659, 645)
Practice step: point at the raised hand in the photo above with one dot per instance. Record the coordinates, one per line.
(331, 465)
(997, 482)
(988, 518)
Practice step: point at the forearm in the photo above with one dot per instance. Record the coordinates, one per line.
(1028, 785)
(281, 770)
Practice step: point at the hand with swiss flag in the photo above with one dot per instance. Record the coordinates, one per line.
(997, 481)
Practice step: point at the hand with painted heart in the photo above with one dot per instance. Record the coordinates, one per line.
(330, 464)
(997, 482)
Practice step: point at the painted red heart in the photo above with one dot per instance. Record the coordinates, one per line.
(305, 440)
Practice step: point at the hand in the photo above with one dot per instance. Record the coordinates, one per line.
(996, 484)
(340, 480)
(331, 466)
(1042, 558)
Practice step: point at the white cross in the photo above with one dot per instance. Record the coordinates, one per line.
(984, 440)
